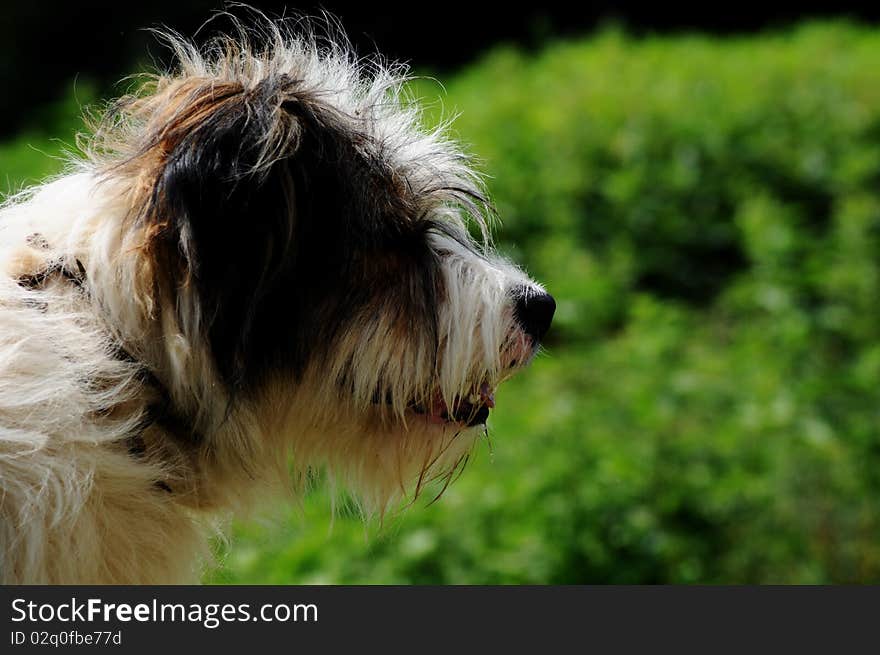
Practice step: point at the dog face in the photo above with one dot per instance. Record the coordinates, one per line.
(302, 230)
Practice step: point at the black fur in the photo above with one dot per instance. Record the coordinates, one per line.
(39, 279)
(285, 257)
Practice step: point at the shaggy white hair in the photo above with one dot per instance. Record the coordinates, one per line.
(262, 262)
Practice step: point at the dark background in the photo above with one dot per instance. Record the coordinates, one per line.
(47, 44)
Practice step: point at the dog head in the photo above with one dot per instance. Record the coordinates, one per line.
(323, 256)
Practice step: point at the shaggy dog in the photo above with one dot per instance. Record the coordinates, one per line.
(261, 266)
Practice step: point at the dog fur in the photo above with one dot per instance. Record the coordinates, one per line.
(260, 266)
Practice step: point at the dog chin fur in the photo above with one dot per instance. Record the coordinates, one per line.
(260, 267)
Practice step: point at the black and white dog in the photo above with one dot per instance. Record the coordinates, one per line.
(262, 262)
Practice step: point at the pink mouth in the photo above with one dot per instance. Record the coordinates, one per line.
(471, 411)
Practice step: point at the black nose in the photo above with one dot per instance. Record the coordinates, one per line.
(534, 311)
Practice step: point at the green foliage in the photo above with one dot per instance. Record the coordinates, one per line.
(41, 150)
(707, 213)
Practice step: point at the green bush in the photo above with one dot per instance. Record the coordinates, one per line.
(41, 150)
(707, 213)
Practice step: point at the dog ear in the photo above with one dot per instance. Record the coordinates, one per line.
(222, 203)
(269, 203)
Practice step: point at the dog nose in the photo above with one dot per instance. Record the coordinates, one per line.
(534, 312)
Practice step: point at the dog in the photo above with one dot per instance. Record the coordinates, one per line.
(260, 265)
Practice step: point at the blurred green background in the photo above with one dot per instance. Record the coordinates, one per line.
(706, 211)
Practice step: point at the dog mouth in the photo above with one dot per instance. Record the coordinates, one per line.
(469, 411)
